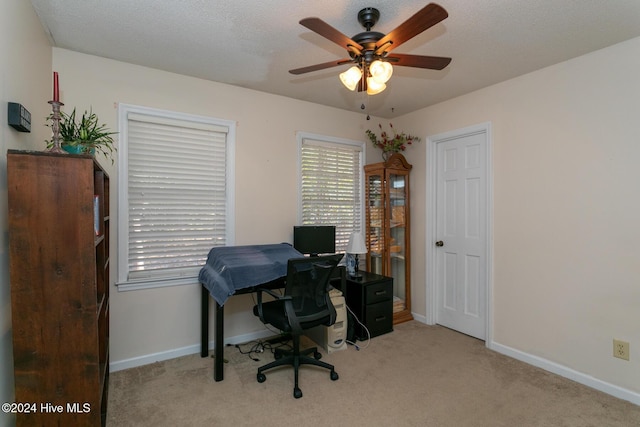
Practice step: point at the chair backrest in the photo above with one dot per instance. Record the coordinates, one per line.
(308, 287)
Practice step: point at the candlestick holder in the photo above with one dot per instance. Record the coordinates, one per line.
(55, 127)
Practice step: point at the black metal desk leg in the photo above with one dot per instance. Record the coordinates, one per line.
(204, 322)
(219, 344)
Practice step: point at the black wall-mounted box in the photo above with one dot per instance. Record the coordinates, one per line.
(19, 117)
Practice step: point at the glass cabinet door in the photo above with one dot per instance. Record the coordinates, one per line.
(398, 239)
(375, 223)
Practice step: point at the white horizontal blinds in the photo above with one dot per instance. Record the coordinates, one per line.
(330, 187)
(176, 193)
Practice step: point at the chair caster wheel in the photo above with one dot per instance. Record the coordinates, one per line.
(317, 355)
(261, 378)
(334, 375)
(297, 393)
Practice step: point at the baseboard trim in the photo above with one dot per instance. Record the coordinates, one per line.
(419, 318)
(119, 365)
(563, 371)
(569, 373)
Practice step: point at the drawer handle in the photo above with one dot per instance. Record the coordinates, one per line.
(380, 293)
(381, 318)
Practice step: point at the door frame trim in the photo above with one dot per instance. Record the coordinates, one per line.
(430, 226)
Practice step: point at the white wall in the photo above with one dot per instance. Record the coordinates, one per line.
(145, 322)
(26, 78)
(566, 207)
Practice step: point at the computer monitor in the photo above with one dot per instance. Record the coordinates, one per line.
(314, 239)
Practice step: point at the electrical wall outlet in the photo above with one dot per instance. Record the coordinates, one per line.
(621, 349)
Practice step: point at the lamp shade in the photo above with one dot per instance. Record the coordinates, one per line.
(351, 77)
(381, 71)
(374, 87)
(356, 244)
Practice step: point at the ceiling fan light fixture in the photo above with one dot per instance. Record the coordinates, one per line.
(374, 87)
(351, 77)
(381, 71)
(368, 50)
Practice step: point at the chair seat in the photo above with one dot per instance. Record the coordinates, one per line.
(272, 312)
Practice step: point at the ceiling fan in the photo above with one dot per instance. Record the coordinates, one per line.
(370, 50)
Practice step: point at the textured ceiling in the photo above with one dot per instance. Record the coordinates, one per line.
(253, 44)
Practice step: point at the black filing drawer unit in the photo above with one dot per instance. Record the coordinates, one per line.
(370, 297)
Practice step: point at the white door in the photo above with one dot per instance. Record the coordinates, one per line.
(460, 238)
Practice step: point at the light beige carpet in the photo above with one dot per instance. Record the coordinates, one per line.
(418, 375)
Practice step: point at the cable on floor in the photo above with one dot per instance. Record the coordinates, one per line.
(354, 343)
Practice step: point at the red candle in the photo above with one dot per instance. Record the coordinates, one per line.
(56, 90)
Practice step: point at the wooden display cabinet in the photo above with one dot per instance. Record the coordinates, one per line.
(59, 272)
(387, 228)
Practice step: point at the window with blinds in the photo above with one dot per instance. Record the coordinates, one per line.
(175, 191)
(331, 185)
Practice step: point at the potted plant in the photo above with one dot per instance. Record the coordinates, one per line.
(390, 144)
(84, 135)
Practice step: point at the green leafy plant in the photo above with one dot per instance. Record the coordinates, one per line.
(85, 132)
(391, 143)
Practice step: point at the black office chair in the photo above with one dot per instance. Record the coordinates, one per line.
(305, 304)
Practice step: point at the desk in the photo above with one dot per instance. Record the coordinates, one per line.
(218, 363)
(235, 270)
(232, 270)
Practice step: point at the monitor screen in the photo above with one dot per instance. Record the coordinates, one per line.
(314, 239)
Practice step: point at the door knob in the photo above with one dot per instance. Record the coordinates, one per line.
(439, 243)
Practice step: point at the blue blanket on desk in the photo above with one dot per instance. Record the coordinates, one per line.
(230, 268)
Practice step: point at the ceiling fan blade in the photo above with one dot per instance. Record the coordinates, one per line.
(418, 61)
(425, 18)
(322, 66)
(317, 25)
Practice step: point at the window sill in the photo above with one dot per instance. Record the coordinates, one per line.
(153, 283)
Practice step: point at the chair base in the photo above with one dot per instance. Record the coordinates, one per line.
(296, 358)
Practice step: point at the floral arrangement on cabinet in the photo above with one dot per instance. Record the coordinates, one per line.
(392, 142)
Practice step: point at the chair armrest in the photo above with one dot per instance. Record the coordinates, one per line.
(259, 300)
(270, 292)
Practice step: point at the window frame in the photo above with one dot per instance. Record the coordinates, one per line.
(123, 282)
(361, 145)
